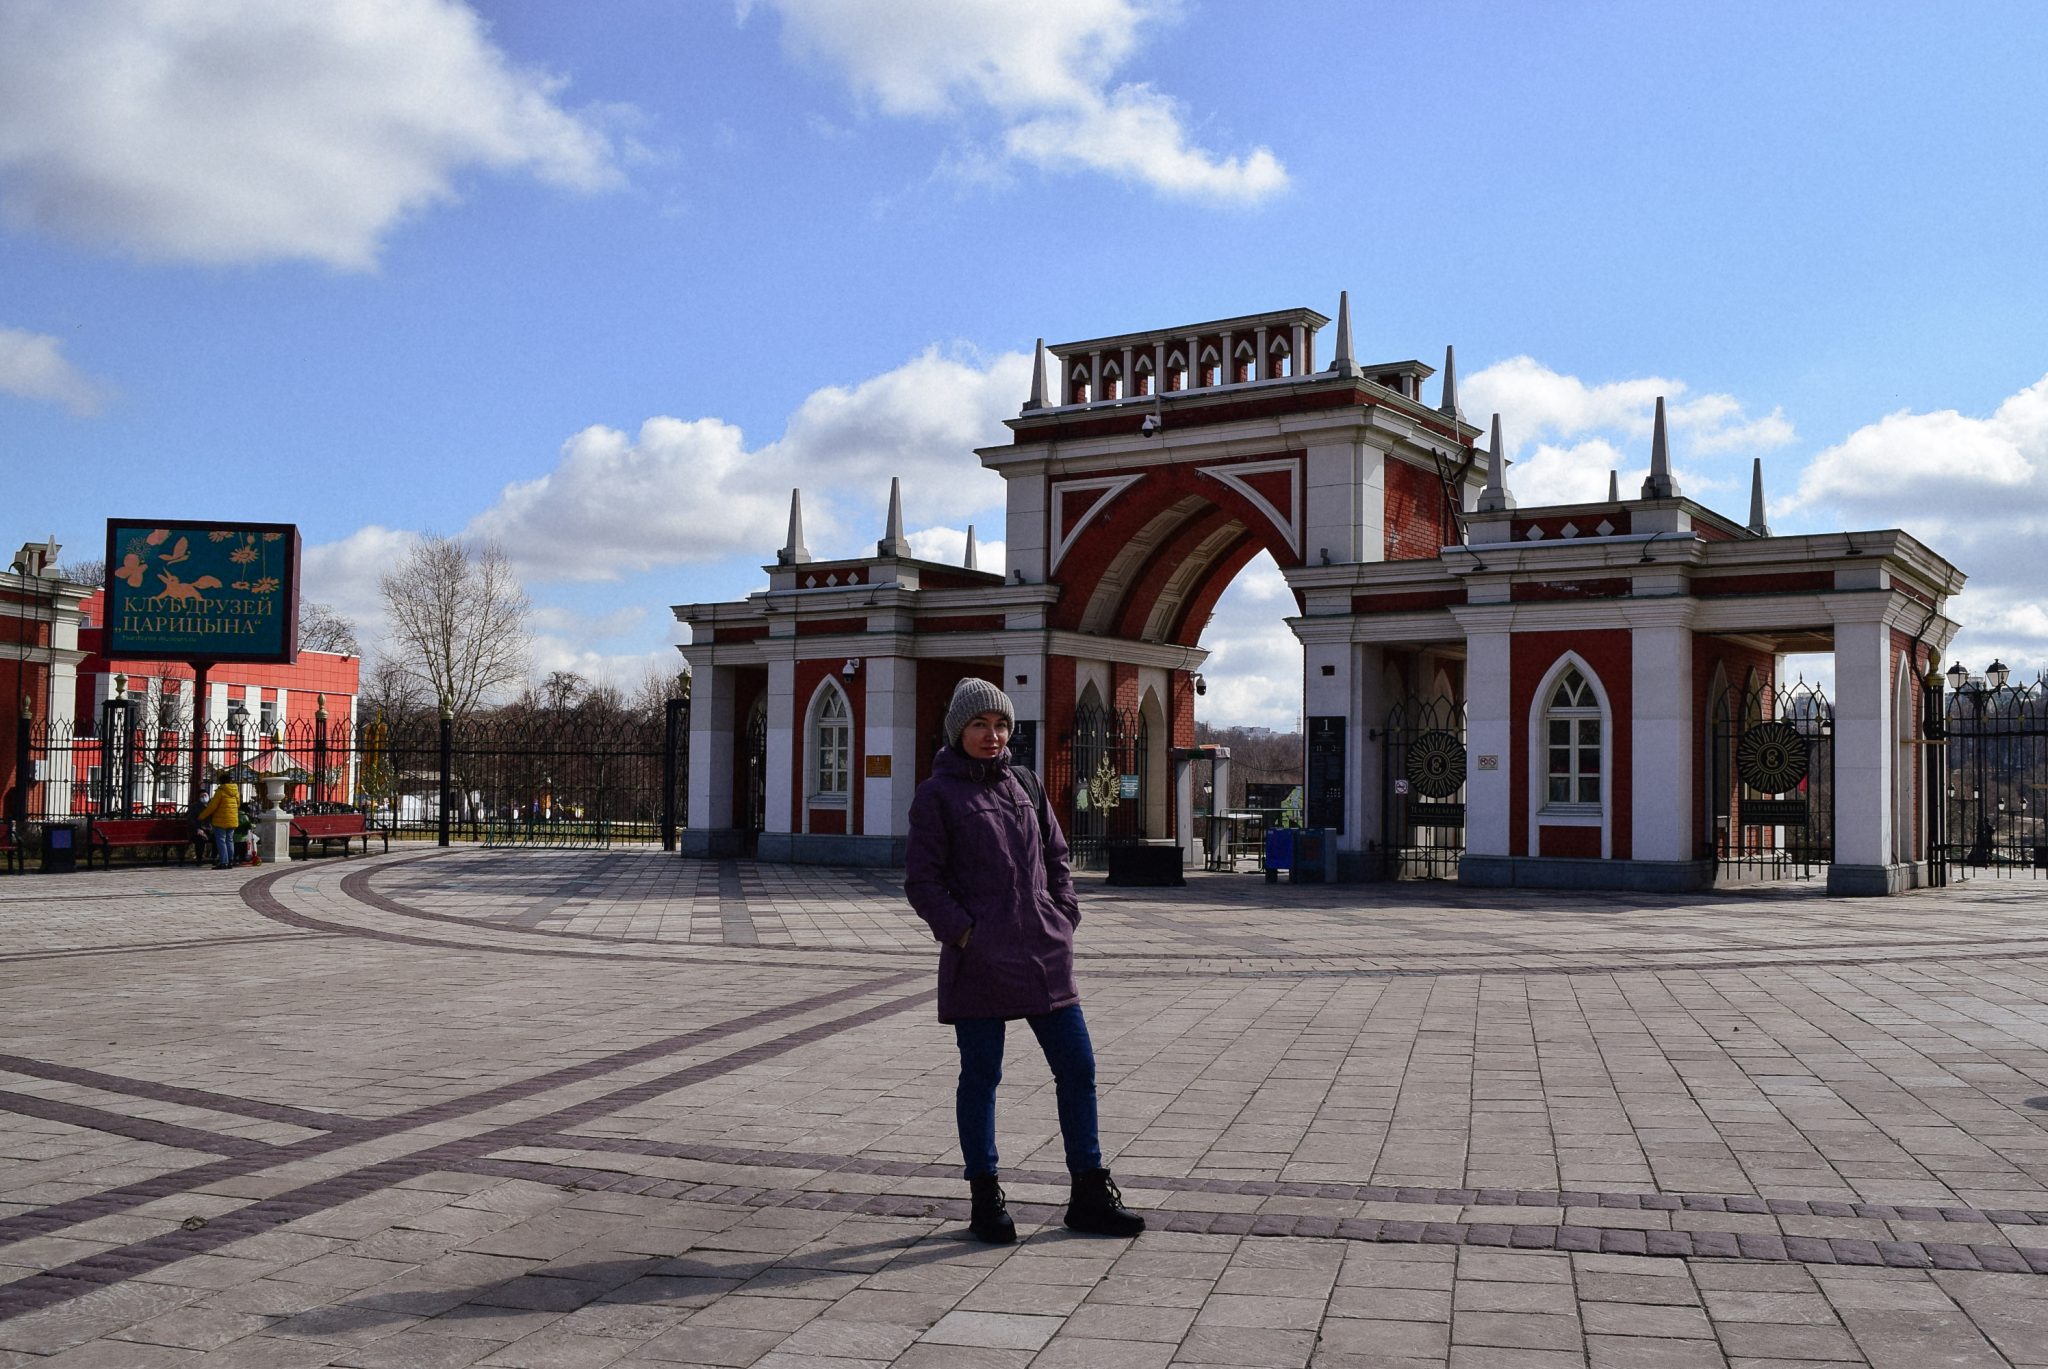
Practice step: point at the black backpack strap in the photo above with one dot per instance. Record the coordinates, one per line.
(1035, 791)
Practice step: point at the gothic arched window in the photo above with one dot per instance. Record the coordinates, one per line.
(831, 743)
(1572, 744)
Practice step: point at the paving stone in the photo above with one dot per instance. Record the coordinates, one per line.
(550, 1105)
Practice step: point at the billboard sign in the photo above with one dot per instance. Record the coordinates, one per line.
(190, 591)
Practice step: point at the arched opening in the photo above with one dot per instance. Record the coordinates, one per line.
(1154, 758)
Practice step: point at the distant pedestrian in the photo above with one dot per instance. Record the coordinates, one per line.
(221, 817)
(987, 870)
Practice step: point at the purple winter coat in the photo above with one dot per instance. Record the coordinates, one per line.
(974, 861)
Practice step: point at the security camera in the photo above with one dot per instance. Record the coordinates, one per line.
(1151, 426)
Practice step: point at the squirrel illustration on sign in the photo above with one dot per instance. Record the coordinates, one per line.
(174, 588)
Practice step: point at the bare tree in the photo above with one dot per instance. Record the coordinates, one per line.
(390, 691)
(322, 628)
(458, 620)
(91, 574)
(652, 691)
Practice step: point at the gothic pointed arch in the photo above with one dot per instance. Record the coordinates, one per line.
(1571, 747)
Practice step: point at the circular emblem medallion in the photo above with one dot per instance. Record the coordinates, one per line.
(1436, 764)
(1771, 757)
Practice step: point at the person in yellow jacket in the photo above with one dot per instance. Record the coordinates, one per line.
(221, 816)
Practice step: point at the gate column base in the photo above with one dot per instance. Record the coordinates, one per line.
(1871, 881)
(712, 843)
(1561, 872)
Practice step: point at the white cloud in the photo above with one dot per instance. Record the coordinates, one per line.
(691, 491)
(1254, 668)
(1042, 73)
(223, 131)
(1536, 402)
(949, 545)
(1973, 489)
(1564, 435)
(32, 365)
(344, 575)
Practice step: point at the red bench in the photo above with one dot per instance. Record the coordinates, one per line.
(106, 835)
(328, 828)
(15, 860)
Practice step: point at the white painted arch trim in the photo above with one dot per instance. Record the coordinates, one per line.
(1539, 768)
(1289, 522)
(1064, 537)
(807, 752)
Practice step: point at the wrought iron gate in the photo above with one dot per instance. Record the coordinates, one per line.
(1106, 779)
(1422, 803)
(1771, 781)
(1996, 780)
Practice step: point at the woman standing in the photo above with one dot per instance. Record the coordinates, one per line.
(987, 870)
(221, 816)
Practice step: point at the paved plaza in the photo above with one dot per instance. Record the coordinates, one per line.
(559, 1110)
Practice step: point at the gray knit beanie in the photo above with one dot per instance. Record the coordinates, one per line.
(972, 697)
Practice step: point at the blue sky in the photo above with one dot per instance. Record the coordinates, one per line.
(605, 280)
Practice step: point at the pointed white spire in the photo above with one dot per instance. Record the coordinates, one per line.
(794, 552)
(1614, 487)
(1449, 406)
(1660, 484)
(969, 562)
(1344, 364)
(1495, 497)
(1037, 399)
(893, 542)
(1757, 524)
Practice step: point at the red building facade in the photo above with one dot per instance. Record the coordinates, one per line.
(1604, 680)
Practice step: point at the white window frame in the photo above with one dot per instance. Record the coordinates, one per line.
(1543, 811)
(817, 772)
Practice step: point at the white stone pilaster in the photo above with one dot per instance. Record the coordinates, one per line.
(712, 738)
(1024, 526)
(1488, 734)
(890, 729)
(1863, 748)
(1662, 796)
(781, 777)
(1344, 511)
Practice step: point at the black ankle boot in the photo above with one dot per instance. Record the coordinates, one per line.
(990, 1218)
(1096, 1207)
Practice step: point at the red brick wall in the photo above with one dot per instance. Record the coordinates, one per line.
(1414, 513)
(1609, 655)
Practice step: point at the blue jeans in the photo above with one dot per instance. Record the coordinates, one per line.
(1063, 1036)
(223, 845)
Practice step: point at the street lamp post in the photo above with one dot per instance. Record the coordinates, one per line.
(1980, 692)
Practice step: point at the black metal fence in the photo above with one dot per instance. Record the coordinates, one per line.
(1996, 780)
(1422, 831)
(515, 778)
(1104, 777)
(1771, 783)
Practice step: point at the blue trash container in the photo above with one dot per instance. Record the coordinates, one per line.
(1279, 852)
(1312, 856)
